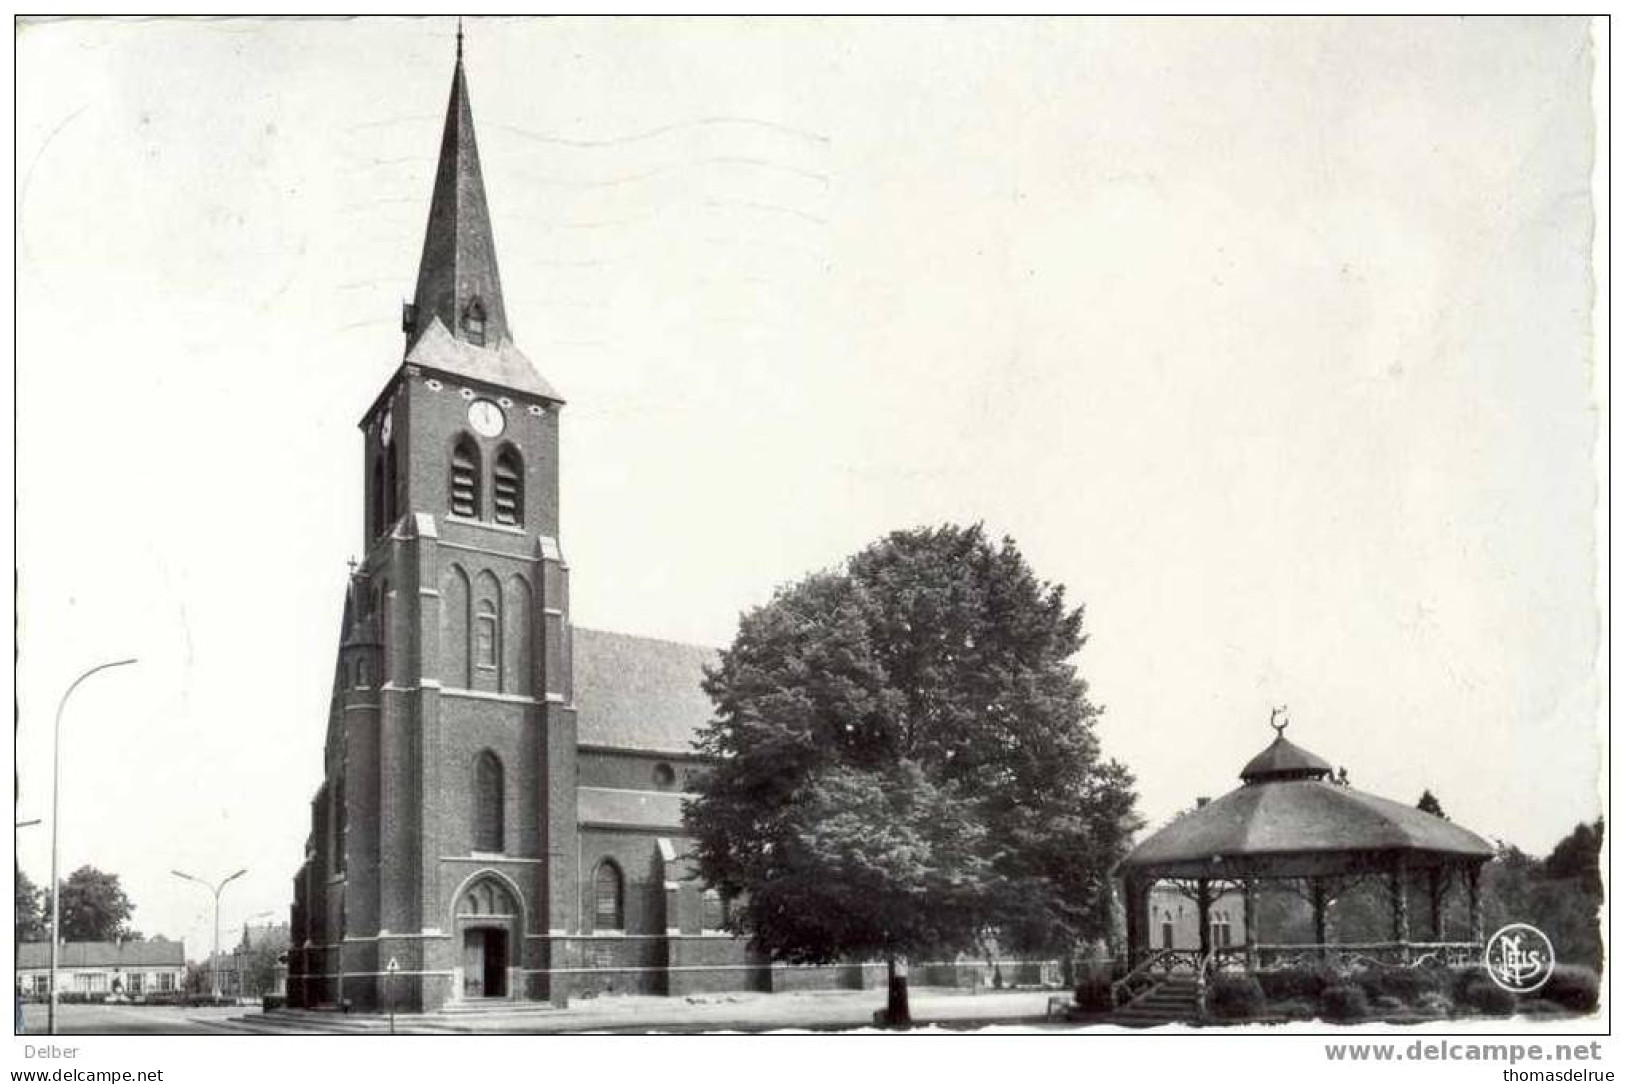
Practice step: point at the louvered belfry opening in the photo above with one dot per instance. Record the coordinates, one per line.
(465, 479)
(508, 491)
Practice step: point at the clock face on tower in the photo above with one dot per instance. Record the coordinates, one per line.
(486, 418)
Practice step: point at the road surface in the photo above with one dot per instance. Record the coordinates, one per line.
(128, 1020)
(814, 1011)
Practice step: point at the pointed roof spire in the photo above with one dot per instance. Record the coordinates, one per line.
(458, 282)
(1282, 759)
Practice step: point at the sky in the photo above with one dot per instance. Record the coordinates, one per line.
(1269, 340)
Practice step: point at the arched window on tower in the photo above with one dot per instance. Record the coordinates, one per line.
(391, 498)
(488, 792)
(485, 635)
(465, 478)
(455, 660)
(340, 821)
(474, 322)
(508, 486)
(608, 910)
(377, 495)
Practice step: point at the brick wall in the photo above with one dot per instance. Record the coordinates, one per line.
(635, 770)
(711, 964)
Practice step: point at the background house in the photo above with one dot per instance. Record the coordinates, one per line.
(95, 970)
(257, 965)
(1172, 917)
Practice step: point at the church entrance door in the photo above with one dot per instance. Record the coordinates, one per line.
(485, 962)
(489, 915)
(496, 963)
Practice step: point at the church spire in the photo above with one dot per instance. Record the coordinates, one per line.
(458, 281)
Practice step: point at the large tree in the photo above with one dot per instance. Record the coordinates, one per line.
(1578, 856)
(259, 953)
(906, 763)
(31, 909)
(94, 907)
(259, 963)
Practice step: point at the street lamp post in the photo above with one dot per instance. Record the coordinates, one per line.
(214, 957)
(56, 791)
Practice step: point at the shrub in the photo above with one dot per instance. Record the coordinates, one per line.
(1407, 984)
(1344, 1002)
(1235, 997)
(1295, 982)
(1480, 994)
(1387, 1004)
(1295, 1008)
(195, 1001)
(1461, 978)
(1093, 994)
(1572, 986)
(1435, 1003)
(1539, 1006)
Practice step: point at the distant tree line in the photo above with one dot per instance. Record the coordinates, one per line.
(1561, 895)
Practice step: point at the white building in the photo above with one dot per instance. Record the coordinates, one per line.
(1172, 919)
(98, 969)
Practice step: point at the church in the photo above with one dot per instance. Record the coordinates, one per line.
(500, 815)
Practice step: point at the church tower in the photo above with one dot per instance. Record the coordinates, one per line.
(447, 819)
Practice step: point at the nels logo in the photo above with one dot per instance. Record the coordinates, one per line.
(1519, 958)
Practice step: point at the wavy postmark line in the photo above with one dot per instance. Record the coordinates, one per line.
(711, 204)
(587, 143)
(27, 184)
(656, 173)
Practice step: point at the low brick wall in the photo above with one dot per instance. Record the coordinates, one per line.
(973, 974)
(788, 978)
(592, 965)
(585, 966)
(706, 965)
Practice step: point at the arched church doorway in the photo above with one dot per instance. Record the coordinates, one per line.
(488, 922)
(485, 962)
